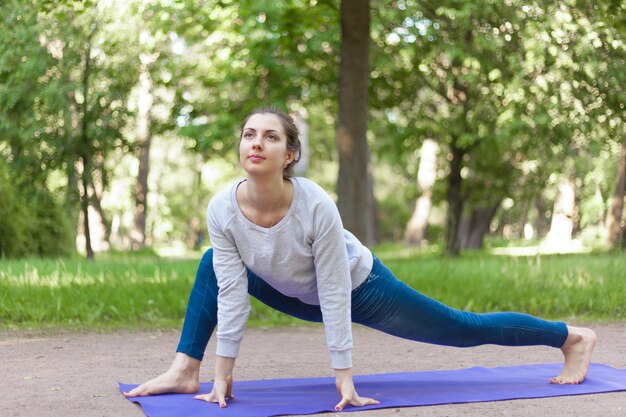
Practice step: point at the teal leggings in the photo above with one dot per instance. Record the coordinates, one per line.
(381, 302)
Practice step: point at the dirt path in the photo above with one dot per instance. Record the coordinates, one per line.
(73, 374)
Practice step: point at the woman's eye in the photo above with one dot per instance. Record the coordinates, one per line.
(248, 135)
(272, 137)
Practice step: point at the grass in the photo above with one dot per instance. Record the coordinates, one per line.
(572, 286)
(123, 291)
(126, 292)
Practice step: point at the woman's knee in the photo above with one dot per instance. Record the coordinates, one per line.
(207, 258)
(205, 268)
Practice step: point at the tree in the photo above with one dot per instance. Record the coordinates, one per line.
(220, 60)
(156, 61)
(614, 218)
(502, 86)
(34, 221)
(587, 42)
(426, 175)
(451, 66)
(516, 95)
(612, 52)
(88, 76)
(354, 185)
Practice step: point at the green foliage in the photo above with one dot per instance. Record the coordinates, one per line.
(243, 55)
(24, 63)
(49, 229)
(32, 221)
(64, 89)
(13, 218)
(529, 91)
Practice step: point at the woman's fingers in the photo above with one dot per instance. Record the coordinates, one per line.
(341, 404)
(222, 402)
(212, 397)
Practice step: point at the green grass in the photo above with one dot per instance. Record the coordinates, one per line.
(573, 286)
(123, 291)
(126, 292)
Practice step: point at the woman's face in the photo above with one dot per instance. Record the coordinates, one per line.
(263, 145)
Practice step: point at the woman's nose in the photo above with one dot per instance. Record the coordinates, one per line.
(257, 142)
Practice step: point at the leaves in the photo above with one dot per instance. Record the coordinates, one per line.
(514, 84)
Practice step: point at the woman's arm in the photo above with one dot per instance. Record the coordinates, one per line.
(232, 299)
(347, 392)
(233, 303)
(334, 282)
(223, 383)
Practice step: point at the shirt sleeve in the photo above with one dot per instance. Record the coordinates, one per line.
(332, 270)
(233, 301)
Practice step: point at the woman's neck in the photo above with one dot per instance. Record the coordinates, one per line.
(263, 194)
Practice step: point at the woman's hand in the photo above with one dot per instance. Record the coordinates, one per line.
(222, 390)
(345, 388)
(223, 383)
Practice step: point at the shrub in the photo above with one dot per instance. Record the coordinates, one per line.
(32, 221)
(13, 217)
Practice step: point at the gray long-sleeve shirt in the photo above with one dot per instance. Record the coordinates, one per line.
(307, 255)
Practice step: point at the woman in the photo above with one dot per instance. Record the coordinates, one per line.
(281, 239)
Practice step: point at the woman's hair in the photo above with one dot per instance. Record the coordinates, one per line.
(293, 140)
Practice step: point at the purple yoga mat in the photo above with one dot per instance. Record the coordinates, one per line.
(278, 397)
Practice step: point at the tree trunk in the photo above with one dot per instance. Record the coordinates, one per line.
(71, 119)
(599, 201)
(477, 226)
(624, 238)
(426, 174)
(96, 200)
(372, 211)
(85, 153)
(144, 139)
(455, 200)
(522, 225)
(614, 217)
(540, 224)
(354, 188)
(84, 204)
(563, 214)
(302, 166)
(96, 197)
(72, 198)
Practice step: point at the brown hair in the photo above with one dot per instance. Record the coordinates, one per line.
(293, 140)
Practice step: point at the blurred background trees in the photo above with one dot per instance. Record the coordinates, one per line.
(487, 119)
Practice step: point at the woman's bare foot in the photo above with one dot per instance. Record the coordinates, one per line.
(183, 377)
(577, 350)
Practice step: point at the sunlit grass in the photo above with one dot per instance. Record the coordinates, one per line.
(125, 292)
(580, 286)
(122, 291)
(545, 247)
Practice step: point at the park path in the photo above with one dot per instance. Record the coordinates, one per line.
(74, 374)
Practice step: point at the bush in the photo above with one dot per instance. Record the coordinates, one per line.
(13, 217)
(50, 231)
(393, 216)
(32, 222)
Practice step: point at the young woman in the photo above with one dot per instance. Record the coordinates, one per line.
(281, 240)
